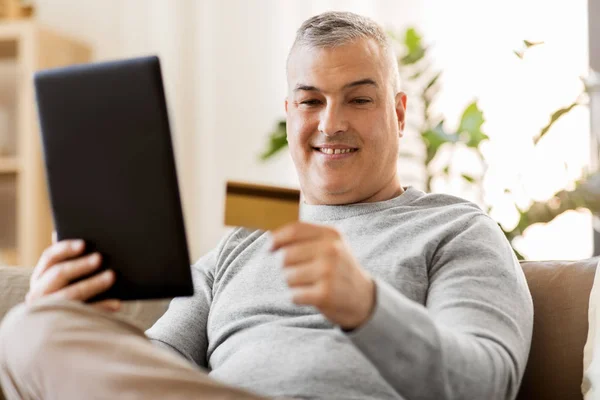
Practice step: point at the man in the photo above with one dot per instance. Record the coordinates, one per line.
(381, 292)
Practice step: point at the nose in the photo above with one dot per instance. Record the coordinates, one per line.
(332, 120)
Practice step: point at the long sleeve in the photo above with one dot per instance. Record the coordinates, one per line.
(183, 326)
(471, 339)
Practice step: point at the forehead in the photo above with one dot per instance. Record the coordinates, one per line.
(331, 68)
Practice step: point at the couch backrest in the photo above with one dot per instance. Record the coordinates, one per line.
(561, 292)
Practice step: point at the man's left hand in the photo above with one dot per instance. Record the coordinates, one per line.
(322, 272)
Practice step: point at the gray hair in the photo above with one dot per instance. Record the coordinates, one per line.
(337, 28)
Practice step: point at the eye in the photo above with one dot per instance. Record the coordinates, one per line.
(361, 100)
(311, 102)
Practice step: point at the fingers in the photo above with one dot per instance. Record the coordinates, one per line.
(56, 253)
(314, 295)
(60, 275)
(298, 232)
(111, 305)
(88, 288)
(300, 253)
(60, 265)
(306, 274)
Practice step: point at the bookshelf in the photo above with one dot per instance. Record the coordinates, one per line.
(25, 218)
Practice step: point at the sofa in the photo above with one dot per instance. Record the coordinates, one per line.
(560, 292)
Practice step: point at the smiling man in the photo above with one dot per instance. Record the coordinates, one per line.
(345, 116)
(380, 292)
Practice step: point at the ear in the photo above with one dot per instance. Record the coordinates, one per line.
(286, 105)
(401, 111)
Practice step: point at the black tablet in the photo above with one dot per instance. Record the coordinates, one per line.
(111, 174)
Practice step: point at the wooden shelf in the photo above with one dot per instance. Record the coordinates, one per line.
(27, 47)
(9, 165)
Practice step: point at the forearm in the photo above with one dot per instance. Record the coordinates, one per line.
(423, 360)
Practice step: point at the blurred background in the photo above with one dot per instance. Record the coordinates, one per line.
(498, 102)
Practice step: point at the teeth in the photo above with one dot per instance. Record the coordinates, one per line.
(335, 151)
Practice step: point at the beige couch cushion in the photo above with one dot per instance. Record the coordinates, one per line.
(560, 292)
(591, 353)
(14, 283)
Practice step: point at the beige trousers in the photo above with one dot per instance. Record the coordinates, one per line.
(69, 351)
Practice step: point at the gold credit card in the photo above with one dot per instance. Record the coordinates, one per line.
(259, 206)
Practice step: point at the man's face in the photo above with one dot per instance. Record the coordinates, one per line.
(344, 121)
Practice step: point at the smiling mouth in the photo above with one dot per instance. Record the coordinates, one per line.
(334, 151)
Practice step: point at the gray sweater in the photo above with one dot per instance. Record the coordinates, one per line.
(453, 315)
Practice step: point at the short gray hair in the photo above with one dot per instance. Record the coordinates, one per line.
(337, 28)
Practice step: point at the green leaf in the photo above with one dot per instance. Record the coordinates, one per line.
(412, 58)
(277, 141)
(553, 118)
(417, 75)
(414, 47)
(430, 91)
(470, 125)
(412, 40)
(435, 138)
(429, 96)
(529, 44)
(468, 178)
(432, 81)
(585, 195)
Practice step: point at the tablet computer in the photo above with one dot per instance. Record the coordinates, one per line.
(111, 174)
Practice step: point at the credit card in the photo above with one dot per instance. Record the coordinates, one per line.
(260, 207)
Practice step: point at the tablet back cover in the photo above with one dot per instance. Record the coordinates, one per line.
(111, 173)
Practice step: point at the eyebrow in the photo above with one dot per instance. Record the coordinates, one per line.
(309, 88)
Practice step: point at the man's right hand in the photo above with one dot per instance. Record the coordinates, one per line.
(62, 263)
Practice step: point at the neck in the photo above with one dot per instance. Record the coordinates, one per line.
(390, 190)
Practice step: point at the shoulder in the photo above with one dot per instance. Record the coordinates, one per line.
(452, 212)
(444, 201)
(463, 226)
(240, 239)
